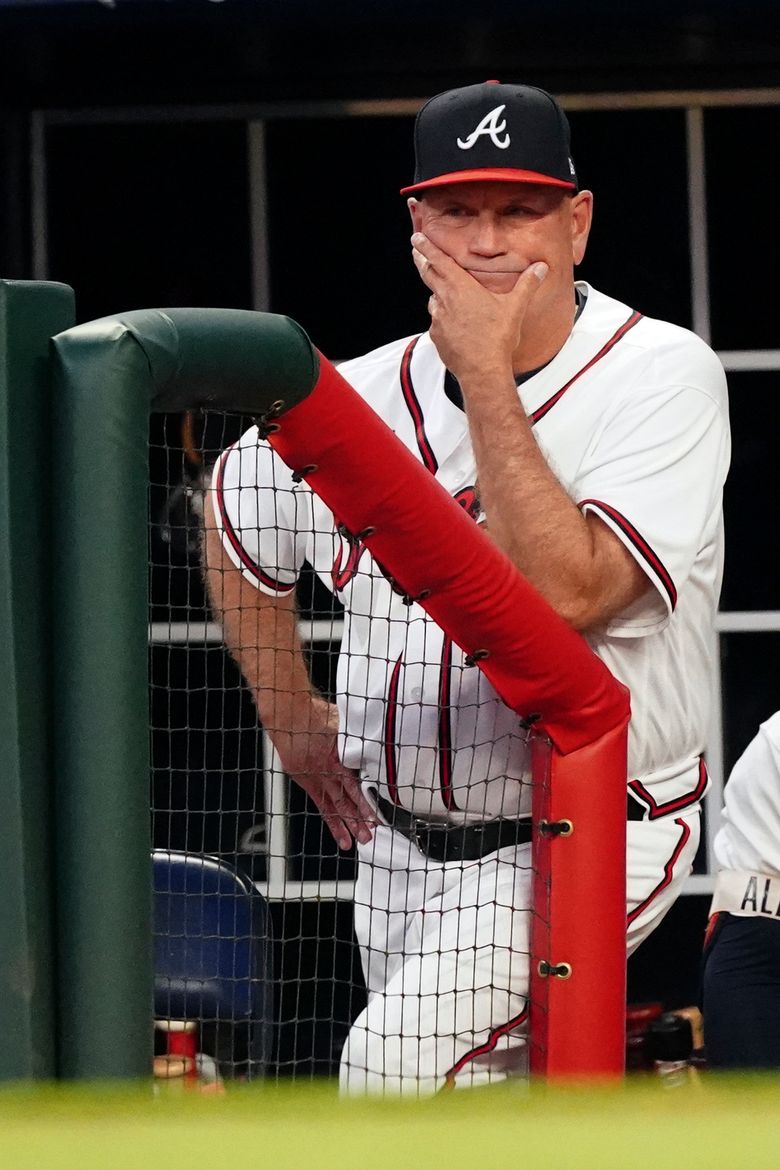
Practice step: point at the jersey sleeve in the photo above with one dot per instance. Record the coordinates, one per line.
(749, 836)
(655, 475)
(256, 506)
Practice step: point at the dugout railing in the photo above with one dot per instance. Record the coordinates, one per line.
(30, 313)
(108, 376)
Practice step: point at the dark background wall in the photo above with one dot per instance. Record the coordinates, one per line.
(99, 55)
(153, 207)
(192, 50)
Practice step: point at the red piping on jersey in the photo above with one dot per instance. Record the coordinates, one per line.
(483, 1049)
(679, 802)
(415, 410)
(445, 726)
(668, 872)
(711, 927)
(614, 339)
(232, 535)
(391, 767)
(341, 577)
(639, 543)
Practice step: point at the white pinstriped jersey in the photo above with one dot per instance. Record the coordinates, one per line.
(749, 836)
(631, 415)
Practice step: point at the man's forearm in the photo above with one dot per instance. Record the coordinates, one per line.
(265, 644)
(261, 633)
(578, 566)
(528, 513)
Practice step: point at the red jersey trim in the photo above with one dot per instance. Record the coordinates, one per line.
(445, 726)
(415, 410)
(235, 543)
(711, 929)
(391, 765)
(679, 803)
(640, 544)
(614, 339)
(341, 576)
(668, 872)
(483, 1049)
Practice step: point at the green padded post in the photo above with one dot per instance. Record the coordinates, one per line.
(30, 313)
(109, 374)
(104, 880)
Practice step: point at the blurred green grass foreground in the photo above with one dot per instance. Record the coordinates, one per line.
(715, 1123)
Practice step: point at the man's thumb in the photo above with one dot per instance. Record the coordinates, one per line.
(529, 281)
(527, 284)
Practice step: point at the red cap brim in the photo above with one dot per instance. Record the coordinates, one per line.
(489, 175)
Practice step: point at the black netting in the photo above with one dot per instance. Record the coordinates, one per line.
(256, 905)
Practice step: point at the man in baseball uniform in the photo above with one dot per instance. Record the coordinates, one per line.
(592, 442)
(741, 980)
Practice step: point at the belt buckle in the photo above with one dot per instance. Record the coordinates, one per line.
(420, 837)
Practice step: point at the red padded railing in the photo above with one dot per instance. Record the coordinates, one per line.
(539, 666)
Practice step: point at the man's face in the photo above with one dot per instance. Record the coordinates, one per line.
(496, 230)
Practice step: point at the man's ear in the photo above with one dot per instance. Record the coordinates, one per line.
(581, 219)
(415, 210)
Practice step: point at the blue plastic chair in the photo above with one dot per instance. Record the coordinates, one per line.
(213, 958)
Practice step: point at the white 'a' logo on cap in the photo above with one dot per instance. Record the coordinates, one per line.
(491, 126)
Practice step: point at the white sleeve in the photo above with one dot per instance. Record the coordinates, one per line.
(654, 475)
(256, 508)
(749, 837)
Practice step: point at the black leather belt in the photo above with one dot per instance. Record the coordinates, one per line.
(455, 842)
(469, 842)
(636, 811)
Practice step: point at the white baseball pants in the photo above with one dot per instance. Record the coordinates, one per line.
(445, 950)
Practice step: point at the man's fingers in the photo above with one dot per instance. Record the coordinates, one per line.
(367, 811)
(427, 270)
(341, 824)
(432, 261)
(528, 282)
(344, 826)
(363, 808)
(324, 791)
(345, 805)
(431, 251)
(338, 830)
(344, 809)
(359, 820)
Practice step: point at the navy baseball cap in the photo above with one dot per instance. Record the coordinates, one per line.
(492, 132)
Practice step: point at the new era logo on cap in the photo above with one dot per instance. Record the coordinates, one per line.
(512, 133)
